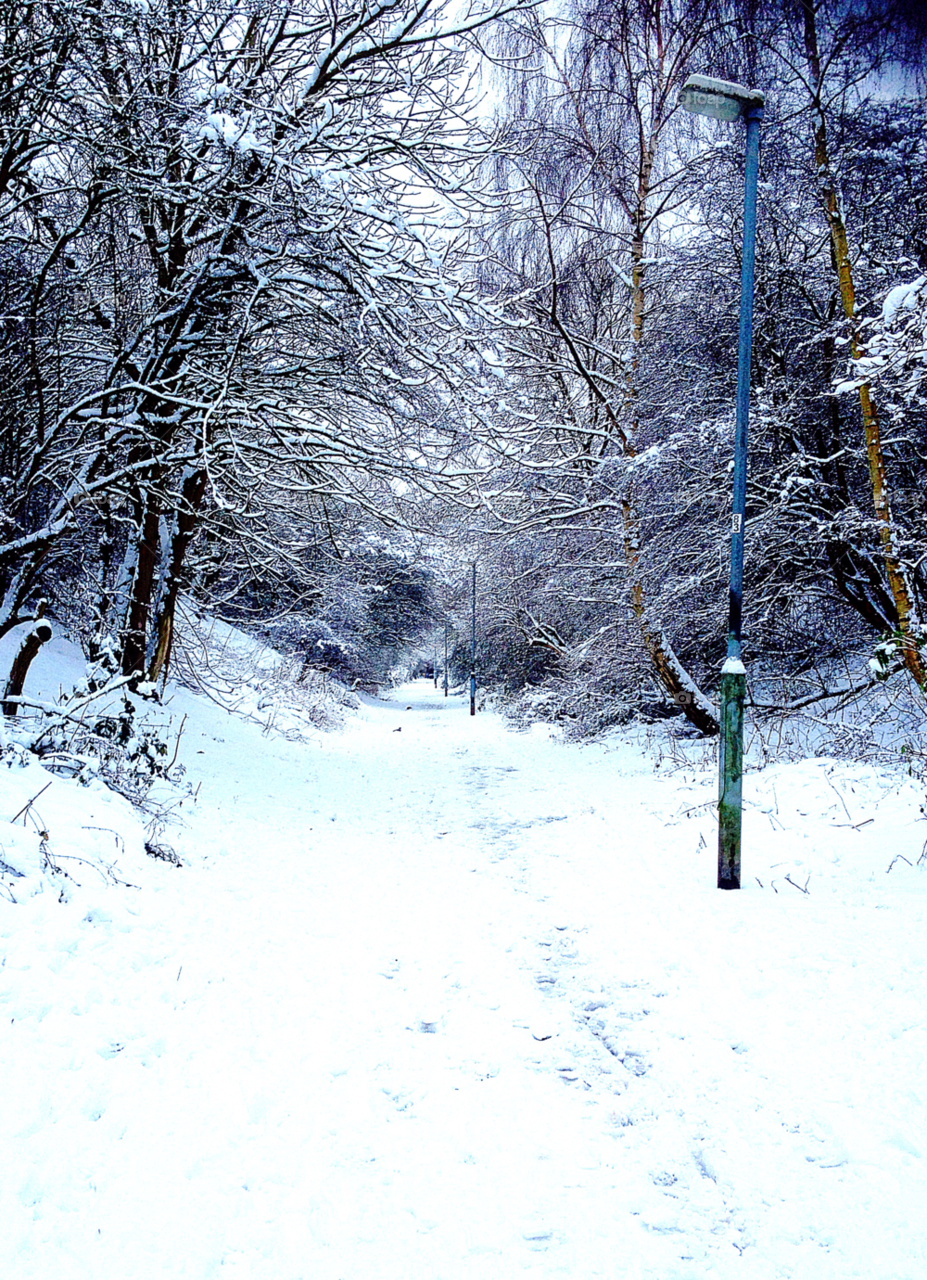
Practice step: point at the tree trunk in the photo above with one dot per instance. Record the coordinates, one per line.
(677, 683)
(138, 614)
(106, 590)
(194, 487)
(902, 597)
(23, 581)
(40, 634)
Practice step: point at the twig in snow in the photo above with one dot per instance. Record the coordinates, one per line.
(107, 874)
(790, 881)
(841, 799)
(120, 843)
(29, 803)
(899, 857)
(706, 804)
(164, 852)
(183, 721)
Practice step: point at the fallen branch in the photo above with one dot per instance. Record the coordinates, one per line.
(67, 710)
(785, 707)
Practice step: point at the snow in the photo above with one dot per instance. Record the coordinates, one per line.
(845, 388)
(431, 998)
(902, 297)
(220, 126)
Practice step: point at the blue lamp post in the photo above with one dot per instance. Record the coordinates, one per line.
(721, 100)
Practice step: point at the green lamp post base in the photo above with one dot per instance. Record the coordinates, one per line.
(733, 696)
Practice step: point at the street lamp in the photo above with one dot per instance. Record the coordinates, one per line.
(721, 100)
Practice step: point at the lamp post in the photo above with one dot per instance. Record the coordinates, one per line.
(473, 648)
(721, 100)
(445, 657)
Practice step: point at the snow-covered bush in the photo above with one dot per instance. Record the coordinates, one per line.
(895, 358)
(251, 679)
(96, 730)
(60, 835)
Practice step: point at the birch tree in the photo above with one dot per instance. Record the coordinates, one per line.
(817, 81)
(606, 89)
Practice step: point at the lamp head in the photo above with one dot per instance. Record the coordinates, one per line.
(719, 99)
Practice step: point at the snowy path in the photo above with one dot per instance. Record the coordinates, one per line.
(459, 1003)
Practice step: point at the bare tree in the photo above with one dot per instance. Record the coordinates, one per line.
(822, 68)
(239, 263)
(599, 172)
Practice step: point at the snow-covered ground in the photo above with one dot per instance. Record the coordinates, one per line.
(432, 999)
